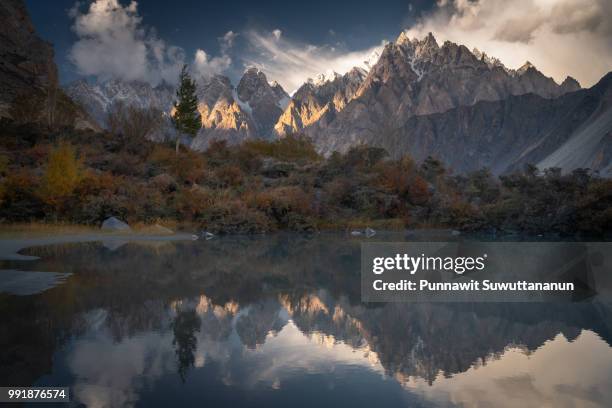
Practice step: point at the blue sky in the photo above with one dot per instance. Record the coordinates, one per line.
(194, 25)
(292, 41)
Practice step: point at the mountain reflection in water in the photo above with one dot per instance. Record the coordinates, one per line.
(277, 321)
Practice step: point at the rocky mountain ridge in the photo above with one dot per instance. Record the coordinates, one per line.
(418, 77)
(97, 98)
(420, 98)
(229, 113)
(571, 131)
(319, 100)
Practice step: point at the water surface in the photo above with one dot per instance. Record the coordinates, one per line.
(277, 321)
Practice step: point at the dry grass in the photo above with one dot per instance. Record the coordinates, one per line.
(390, 224)
(39, 229)
(15, 230)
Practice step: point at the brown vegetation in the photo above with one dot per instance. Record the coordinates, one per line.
(84, 177)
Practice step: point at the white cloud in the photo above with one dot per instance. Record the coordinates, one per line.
(227, 41)
(114, 43)
(291, 63)
(205, 66)
(561, 37)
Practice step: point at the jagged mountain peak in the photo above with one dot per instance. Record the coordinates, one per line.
(214, 87)
(371, 59)
(420, 47)
(527, 66)
(97, 97)
(356, 73)
(419, 77)
(570, 84)
(318, 101)
(264, 101)
(254, 83)
(322, 78)
(489, 60)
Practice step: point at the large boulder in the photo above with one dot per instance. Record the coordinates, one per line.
(115, 224)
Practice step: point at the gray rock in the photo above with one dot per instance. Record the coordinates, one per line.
(115, 224)
(207, 235)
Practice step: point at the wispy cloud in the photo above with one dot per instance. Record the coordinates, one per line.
(291, 63)
(561, 37)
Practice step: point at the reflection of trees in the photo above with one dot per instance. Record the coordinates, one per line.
(261, 319)
(184, 326)
(316, 279)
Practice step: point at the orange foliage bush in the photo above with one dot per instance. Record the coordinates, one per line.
(62, 174)
(188, 167)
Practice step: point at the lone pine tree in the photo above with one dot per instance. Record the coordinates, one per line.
(186, 118)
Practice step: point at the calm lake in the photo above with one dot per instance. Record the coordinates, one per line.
(278, 321)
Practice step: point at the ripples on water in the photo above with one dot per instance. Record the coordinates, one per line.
(277, 321)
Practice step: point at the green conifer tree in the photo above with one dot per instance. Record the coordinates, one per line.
(186, 118)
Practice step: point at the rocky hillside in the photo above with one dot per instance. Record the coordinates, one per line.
(26, 61)
(571, 131)
(29, 85)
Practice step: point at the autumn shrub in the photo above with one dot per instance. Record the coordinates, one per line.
(191, 204)
(218, 153)
(62, 174)
(418, 191)
(229, 176)
(294, 147)
(20, 198)
(125, 164)
(339, 192)
(188, 167)
(397, 176)
(93, 209)
(35, 155)
(234, 216)
(279, 201)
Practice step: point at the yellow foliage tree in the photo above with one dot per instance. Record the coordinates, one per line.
(62, 174)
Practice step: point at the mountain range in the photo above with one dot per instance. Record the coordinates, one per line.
(421, 98)
(415, 97)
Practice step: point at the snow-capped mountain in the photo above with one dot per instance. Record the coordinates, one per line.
(419, 97)
(97, 98)
(229, 113)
